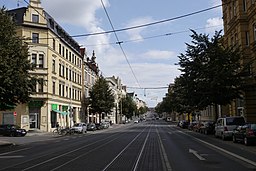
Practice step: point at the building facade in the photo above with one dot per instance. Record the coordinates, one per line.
(239, 18)
(65, 74)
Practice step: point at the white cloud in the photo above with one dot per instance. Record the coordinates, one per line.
(135, 34)
(214, 24)
(158, 54)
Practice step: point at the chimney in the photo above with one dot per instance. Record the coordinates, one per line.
(35, 3)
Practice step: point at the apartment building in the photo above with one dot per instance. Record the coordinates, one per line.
(239, 18)
(65, 72)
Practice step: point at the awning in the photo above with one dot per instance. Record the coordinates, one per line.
(61, 112)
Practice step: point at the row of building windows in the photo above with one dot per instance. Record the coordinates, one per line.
(66, 91)
(64, 52)
(71, 57)
(233, 7)
(67, 72)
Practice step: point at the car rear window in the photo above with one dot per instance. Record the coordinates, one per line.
(235, 121)
(253, 126)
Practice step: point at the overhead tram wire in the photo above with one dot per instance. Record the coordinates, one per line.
(152, 37)
(118, 42)
(138, 26)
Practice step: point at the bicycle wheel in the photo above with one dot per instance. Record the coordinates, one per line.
(63, 132)
(72, 132)
(55, 132)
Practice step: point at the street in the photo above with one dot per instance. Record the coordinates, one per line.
(153, 145)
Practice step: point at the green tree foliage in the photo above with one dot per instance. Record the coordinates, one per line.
(210, 72)
(128, 106)
(101, 97)
(15, 81)
(211, 75)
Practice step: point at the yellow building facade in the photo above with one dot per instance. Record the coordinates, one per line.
(239, 18)
(61, 66)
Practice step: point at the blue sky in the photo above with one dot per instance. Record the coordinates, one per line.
(152, 59)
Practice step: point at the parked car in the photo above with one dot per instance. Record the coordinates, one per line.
(192, 125)
(105, 125)
(91, 127)
(12, 130)
(224, 126)
(99, 126)
(207, 127)
(136, 121)
(245, 133)
(183, 124)
(80, 128)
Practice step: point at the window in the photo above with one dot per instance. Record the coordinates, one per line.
(63, 70)
(41, 86)
(33, 60)
(244, 5)
(53, 65)
(53, 87)
(63, 51)
(60, 89)
(59, 69)
(66, 91)
(67, 73)
(67, 54)
(60, 49)
(53, 44)
(41, 61)
(35, 38)
(254, 31)
(35, 18)
(70, 56)
(247, 40)
(70, 76)
(63, 90)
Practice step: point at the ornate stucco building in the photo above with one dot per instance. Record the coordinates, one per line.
(64, 68)
(239, 18)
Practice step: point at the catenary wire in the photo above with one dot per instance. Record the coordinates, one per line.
(138, 26)
(120, 44)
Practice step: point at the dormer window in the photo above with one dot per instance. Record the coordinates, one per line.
(35, 18)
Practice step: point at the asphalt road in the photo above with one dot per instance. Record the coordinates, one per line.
(148, 146)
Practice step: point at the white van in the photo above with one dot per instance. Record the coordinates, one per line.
(224, 126)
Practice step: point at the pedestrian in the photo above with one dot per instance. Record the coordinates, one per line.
(57, 125)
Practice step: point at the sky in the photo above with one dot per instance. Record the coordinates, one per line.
(146, 56)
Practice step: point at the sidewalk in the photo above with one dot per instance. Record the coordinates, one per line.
(36, 135)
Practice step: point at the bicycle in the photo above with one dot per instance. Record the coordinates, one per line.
(57, 131)
(67, 131)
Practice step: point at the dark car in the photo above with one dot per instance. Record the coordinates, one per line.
(12, 130)
(245, 133)
(183, 124)
(207, 127)
(99, 126)
(91, 127)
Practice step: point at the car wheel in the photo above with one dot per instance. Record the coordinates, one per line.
(234, 139)
(223, 137)
(246, 141)
(12, 134)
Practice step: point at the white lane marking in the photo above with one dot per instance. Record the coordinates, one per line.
(142, 149)
(14, 151)
(10, 157)
(166, 161)
(225, 151)
(196, 154)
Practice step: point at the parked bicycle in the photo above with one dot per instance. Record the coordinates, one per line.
(67, 131)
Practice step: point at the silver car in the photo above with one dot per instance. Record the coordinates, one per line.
(80, 128)
(224, 126)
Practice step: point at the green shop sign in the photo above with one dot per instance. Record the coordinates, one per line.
(54, 106)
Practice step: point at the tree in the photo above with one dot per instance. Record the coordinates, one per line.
(16, 84)
(128, 106)
(210, 72)
(101, 97)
